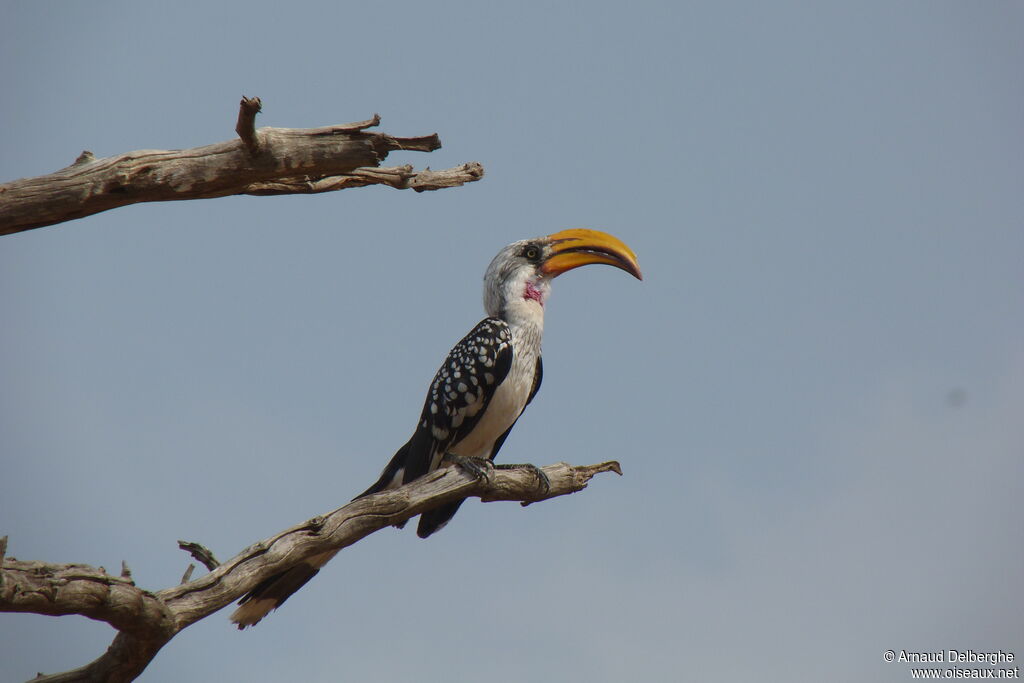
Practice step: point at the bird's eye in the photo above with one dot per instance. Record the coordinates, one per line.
(531, 252)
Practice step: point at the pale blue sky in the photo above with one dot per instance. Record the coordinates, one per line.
(826, 202)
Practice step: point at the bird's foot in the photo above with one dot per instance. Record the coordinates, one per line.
(477, 467)
(542, 479)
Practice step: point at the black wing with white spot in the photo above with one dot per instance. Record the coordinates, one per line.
(459, 394)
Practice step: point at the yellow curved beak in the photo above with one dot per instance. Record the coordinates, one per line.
(579, 247)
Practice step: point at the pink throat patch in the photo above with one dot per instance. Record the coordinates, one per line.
(531, 292)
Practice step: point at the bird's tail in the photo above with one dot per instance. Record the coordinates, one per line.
(434, 520)
(272, 592)
(392, 475)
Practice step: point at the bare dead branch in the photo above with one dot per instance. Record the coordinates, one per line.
(358, 519)
(146, 621)
(59, 589)
(200, 553)
(398, 177)
(451, 177)
(261, 161)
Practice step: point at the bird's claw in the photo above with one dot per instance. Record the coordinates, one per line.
(480, 468)
(542, 478)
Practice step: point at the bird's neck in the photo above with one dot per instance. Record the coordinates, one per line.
(525, 316)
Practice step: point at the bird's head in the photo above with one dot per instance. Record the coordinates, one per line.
(519, 277)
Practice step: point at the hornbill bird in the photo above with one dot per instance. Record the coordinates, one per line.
(481, 389)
